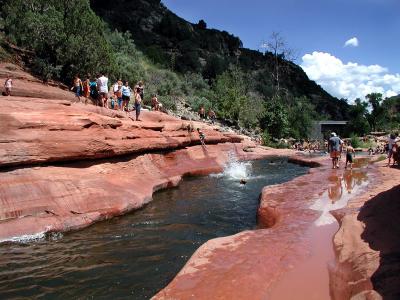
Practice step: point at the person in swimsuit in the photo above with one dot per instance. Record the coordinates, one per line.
(202, 137)
(138, 102)
(349, 156)
(77, 87)
(86, 88)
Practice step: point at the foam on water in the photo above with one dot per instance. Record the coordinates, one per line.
(26, 238)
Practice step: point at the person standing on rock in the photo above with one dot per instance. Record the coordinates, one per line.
(8, 84)
(126, 96)
(138, 103)
(391, 143)
(140, 87)
(77, 87)
(202, 137)
(102, 86)
(211, 116)
(349, 156)
(94, 94)
(86, 88)
(334, 150)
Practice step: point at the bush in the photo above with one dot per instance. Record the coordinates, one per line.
(168, 102)
(355, 141)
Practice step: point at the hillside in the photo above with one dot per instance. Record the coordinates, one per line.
(186, 65)
(175, 43)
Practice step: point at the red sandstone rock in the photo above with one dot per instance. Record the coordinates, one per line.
(366, 240)
(37, 131)
(25, 85)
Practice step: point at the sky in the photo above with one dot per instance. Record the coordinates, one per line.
(349, 47)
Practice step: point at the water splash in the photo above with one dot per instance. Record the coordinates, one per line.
(237, 170)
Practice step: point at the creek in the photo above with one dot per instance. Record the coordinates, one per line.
(138, 254)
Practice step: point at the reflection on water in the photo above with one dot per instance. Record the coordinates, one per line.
(342, 186)
(136, 255)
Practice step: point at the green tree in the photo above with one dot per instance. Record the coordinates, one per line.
(275, 119)
(358, 123)
(66, 35)
(230, 92)
(376, 114)
(300, 117)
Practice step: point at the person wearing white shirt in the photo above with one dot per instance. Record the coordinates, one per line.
(102, 86)
(8, 86)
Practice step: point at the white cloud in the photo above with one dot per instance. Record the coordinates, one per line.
(350, 80)
(351, 42)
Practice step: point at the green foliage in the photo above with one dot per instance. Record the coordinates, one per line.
(355, 141)
(230, 92)
(266, 138)
(251, 113)
(377, 112)
(168, 102)
(300, 117)
(358, 123)
(196, 102)
(275, 119)
(66, 35)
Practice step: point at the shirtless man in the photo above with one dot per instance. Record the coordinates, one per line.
(349, 156)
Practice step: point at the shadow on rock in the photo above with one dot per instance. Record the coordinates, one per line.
(381, 216)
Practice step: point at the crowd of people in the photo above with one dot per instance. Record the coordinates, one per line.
(117, 97)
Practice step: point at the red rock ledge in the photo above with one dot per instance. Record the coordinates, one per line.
(367, 245)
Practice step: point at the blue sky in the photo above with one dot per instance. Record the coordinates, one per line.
(318, 30)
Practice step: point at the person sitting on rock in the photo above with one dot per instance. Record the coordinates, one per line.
(155, 104)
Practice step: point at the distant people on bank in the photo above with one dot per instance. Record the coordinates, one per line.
(202, 137)
(8, 85)
(212, 116)
(392, 139)
(138, 103)
(102, 87)
(202, 113)
(126, 92)
(350, 152)
(334, 147)
(77, 87)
